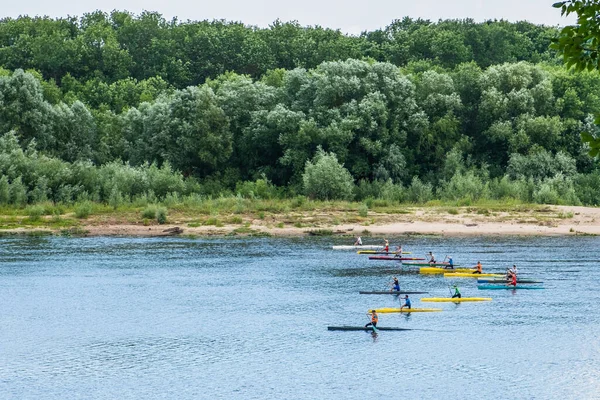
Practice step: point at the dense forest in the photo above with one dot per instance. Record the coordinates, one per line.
(117, 107)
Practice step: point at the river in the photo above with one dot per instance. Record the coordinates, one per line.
(246, 318)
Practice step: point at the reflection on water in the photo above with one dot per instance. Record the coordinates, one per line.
(155, 318)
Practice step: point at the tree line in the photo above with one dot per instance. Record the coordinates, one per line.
(107, 48)
(413, 129)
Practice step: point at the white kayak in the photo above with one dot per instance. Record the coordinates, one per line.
(364, 246)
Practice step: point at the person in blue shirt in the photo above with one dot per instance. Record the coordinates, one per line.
(450, 263)
(395, 285)
(407, 303)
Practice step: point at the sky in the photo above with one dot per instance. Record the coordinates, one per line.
(350, 16)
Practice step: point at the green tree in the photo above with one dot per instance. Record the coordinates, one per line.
(579, 45)
(325, 178)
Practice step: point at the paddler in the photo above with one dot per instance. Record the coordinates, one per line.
(450, 263)
(374, 319)
(395, 285)
(513, 280)
(358, 241)
(456, 292)
(407, 303)
(398, 251)
(431, 258)
(386, 246)
(479, 268)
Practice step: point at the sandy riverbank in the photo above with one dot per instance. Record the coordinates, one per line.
(548, 221)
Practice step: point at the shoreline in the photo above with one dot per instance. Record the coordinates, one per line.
(551, 221)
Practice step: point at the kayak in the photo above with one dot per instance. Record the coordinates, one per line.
(364, 246)
(393, 258)
(380, 252)
(454, 300)
(406, 310)
(430, 264)
(362, 328)
(467, 275)
(503, 281)
(499, 287)
(390, 292)
(439, 270)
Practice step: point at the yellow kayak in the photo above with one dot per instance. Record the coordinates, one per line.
(438, 270)
(406, 310)
(454, 300)
(467, 275)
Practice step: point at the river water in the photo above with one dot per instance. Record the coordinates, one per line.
(246, 318)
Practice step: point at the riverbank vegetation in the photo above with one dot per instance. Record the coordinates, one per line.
(146, 117)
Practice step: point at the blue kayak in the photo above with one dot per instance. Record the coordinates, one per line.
(499, 287)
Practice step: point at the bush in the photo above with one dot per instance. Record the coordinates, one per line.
(161, 215)
(587, 188)
(363, 210)
(149, 212)
(541, 164)
(4, 190)
(83, 209)
(464, 186)
(260, 189)
(545, 194)
(298, 201)
(326, 179)
(35, 212)
(18, 192)
(557, 190)
(116, 198)
(419, 192)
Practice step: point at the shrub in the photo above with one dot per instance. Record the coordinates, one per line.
(149, 212)
(83, 209)
(161, 215)
(464, 186)
(4, 190)
(260, 189)
(116, 198)
(419, 192)
(545, 194)
(18, 192)
(587, 188)
(298, 201)
(35, 212)
(326, 179)
(363, 210)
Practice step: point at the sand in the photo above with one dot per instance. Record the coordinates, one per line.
(553, 220)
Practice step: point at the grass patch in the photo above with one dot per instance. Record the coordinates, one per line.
(566, 215)
(235, 220)
(244, 230)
